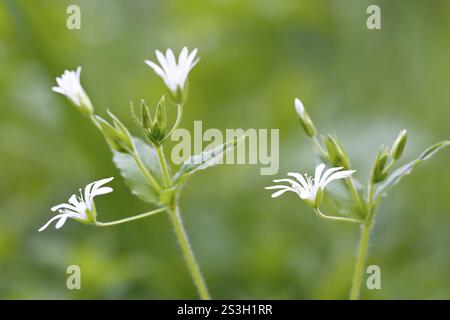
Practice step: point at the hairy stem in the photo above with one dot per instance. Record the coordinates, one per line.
(163, 164)
(180, 232)
(192, 264)
(360, 259)
(136, 217)
(363, 243)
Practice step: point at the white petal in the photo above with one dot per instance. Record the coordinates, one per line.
(294, 183)
(327, 173)
(279, 193)
(318, 173)
(183, 56)
(156, 68)
(300, 179)
(51, 220)
(59, 90)
(64, 206)
(162, 62)
(61, 221)
(336, 176)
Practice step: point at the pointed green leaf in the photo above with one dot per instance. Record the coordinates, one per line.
(133, 176)
(205, 159)
(395, 176)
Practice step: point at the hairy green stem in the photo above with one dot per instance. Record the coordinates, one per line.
(191, 262)
(136, 217)
(360, 259)
(363, 243)
(163, 164)
(180, 232)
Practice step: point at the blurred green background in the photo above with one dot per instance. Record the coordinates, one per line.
(256, 56)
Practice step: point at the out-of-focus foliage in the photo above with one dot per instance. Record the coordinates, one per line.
(256, 56)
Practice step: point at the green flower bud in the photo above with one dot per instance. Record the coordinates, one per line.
(305, 120)
(117, 135)
(399, 145)
(336, 153)
(146, 117)
(378, 169)
(154, 129)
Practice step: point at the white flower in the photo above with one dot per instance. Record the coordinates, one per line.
(174, 74)
(308, 188)
(80, 207)
(70, 86)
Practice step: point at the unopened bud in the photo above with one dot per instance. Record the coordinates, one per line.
(378, 170)
(117, 135)
(336, 153)
(399, 145)
(305, 120)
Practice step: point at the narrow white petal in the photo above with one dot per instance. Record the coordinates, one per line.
(294, 183)
(336, 176)
(50, 221)
(318, 173)
(300, 179)
(59, 90)
(156, 68)
(183, 56)
(279, 193)
(163, 62)
(103, 190)
(61, 221)
(327, 173)
(62, 206)
(277, 187)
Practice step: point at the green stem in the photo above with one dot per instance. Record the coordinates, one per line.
(180, 232)
(187, 251)
(363, 242)
(136, 217)
(360, 259)
(163, 164)
(343, 219)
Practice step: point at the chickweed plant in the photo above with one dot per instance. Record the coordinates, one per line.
(142, 163)
(358, 205)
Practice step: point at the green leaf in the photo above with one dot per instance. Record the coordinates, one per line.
(395, 176)
(133, 176)
(205, 159)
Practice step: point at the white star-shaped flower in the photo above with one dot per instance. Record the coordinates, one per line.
(70, 86)
(174, 74)
(80, 207)
(310, 189)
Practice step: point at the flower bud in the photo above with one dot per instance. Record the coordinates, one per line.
(154, 129)
(399, 145)
(378, 170)
(305, 120)
(117, 135)
(336, 153)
